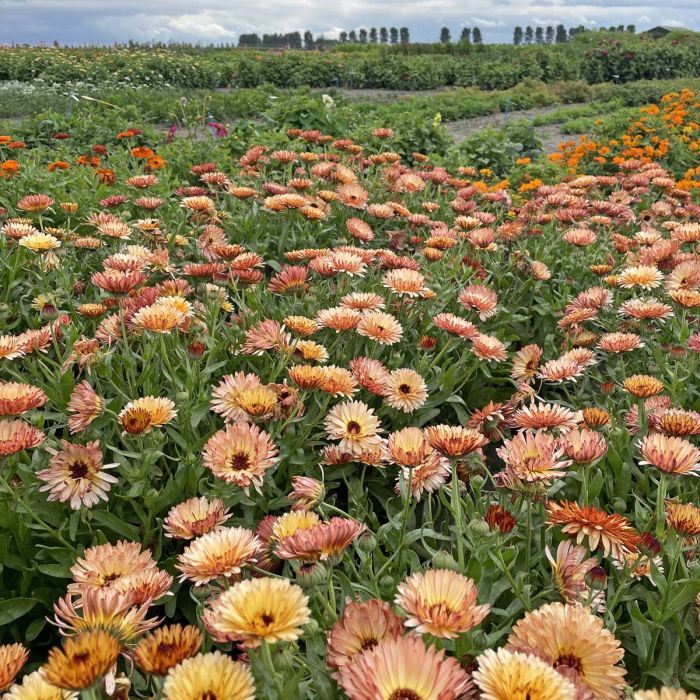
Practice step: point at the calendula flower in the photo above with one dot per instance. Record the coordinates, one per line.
(533, 457)
(307, 493)
(195, 517)
(643, 276)
(455, 325)
(454, 440)
(12, 660)
(16, 435)
(354, 424)
(643, 386)
(77, 475)
(10, 347)
(34, 687)
(40, 242)
(222, 552)
(142, 415)
(404, 667)
(612, 533)
(211, 676)
(404, 282)
(17, 398)
(481, 299)
(321, 541)
(595, 417)
(85, 405)
(260, 610)
(339, 318)
(486, 347)
(545, 416)
(427, 477)
(684, 518)
(240, 454)
(576, 645)
(380, 327)
(620, 342)
(338, 381)
(82, 661)
(361, 626)
(440, 602)
(226, 394)
(35, 202)
(583, 446)
(166, 647)
(671, 455)
(665, 693)
(506, 675)
(362, 301)
(408, 447)
(158, 318)
(569, 571)
(560, 370)
(677, 422)
(405, 390)
(369, 373)
(525, 363)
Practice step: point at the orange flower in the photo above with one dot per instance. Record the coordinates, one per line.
(142, 152)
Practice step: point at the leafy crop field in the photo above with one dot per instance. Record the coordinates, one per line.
(317, 404)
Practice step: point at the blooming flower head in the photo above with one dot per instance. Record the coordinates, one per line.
(12, 660)
(166, 647)
(208, 676)
(34, 687)
(405, 390)
(506, 675)
(534, 456)
(321, 541)
(482, 299)
(440, 602)
(569, 570)
(77, 475)
(526, 362)
(404, 667)
(545, 416)
(684, 518)
(142, 415)
(240, 454)
(575, 643)
(671, 455)
(380, 327)
(16, 435)
(260, 610)
(454, 440)
(664, 693)
(354, 424)
(195, 517)
(85, 406)
(17, 398)
(307, 493)
(583, 446)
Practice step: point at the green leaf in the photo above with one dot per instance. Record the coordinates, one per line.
(115, 524)
(13, 609)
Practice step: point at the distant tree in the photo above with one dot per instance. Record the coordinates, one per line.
(352, 37)
(343, 37)
(404, 35)
(631, 29)
(476, 36)
(363, 36)
(308, 40)
(249, 40)
(539, 35)
(294, 40)
(518, 36)
(394, 35)
(572, 32)
(529, 35)
(560, 35)
(549, 34)
(466, 36)
(373, 35)
(383, 35)
(445, 37)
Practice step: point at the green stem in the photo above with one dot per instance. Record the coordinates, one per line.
(660, 512)
(457, 512)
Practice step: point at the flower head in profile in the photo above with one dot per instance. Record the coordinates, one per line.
(321, 541)
(34, 687)
(583, 446)
(142, 415)
(404, 667)
(306, 494)
(454, 440)
(684, 518)
(211, 676)
(545, 416)
(16, 435)
(575, 643)
(17, 398)
(361, 626)
(12, 660)
(380, 327)
(506, 675)
(240, 454)
(195, 517)
(440, 602)
(76, 475)
(569, 571)
(525, 363)
(84, 406)
(259, 610)
(166, 647)
(82, 661)
(671, 455)
(664, 693)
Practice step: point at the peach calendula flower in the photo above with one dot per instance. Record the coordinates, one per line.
(240, 454)
(226, 394)
(40, 242)
(643, 276)
(16, 435)
(684, 518)
(142, 415)
(643, 386)
(576, 645)
(404, 282)
(12, 660)
(404, 667)
(306, 494)
(260, 610)
(166, 647)
(354, 424)
(647, 309)
(158, 318)
(85, 405)
(35, 202)
(595, 417)
(322, 541)
(362, 301)
(10, 347)
(487, 347)
(408, 447)
(361, 626)
(545, 416)
(339, 318)
(454, 440)
(338, 381)
(456, 325)
(258, 401)
(426, 477)
(308, 377)
(100, 609)
(440, 602)
(569, 571)
(309, 351)
(612, 533)
(380, 327)
(583, 446)
(34, 687)
(498, 518)
(370, 374)
(220, 553)
(302, 325)
(665, 693)
(292, 522)
(405, 390)
(195, 517)
(77, 475)
(620, 342)
(525, 362)
(17, 398)
(506, 675)
(481, 299)
(267, 334)
(211, 676)
(677, 422)
(560, 370)
(83, 660)
(533, 456)
(116, 282)
(671, 455)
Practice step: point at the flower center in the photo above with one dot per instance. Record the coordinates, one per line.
(405, 389)
(569, 660)
(79, 469)
(208, 695)
(238, 461)
(369, 643)
(354, 428)
(404, 694)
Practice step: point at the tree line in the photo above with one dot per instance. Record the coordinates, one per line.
(558, 35)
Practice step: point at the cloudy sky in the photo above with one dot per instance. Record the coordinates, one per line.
(106, 21)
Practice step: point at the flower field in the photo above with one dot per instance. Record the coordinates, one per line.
(313, 417)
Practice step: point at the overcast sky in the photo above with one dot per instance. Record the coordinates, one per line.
(106, 21)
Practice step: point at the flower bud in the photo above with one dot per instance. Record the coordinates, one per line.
(444, 560)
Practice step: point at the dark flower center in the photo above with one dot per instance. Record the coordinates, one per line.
(238, 461)
(404, 694)
(405, 389)
(79, 469)
(354, 428)
(369, 643)
(571, 661)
